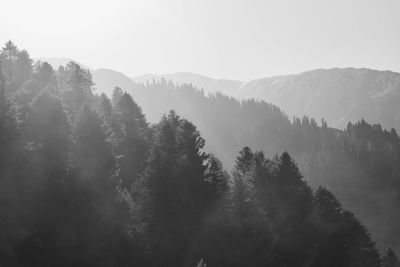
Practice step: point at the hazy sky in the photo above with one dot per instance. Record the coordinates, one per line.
(236, 39)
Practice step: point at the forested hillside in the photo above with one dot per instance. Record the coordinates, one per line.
(359, 164)
(338, 95)
(86, 181)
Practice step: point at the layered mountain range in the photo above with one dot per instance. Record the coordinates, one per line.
(336, 95)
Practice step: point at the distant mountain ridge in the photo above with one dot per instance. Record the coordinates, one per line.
(338, 95)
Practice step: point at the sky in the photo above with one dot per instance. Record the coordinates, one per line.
(232, 39)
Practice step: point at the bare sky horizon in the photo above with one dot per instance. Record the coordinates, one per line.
(234, 39)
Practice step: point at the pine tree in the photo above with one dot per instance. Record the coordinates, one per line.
(343, 240)
(252, 232)
(47, 208)
(49, 130)
(23, 68)
(175, 182)
(9, 53)
(131, 139)
(244, 162)
(332, 250)
(106, 109)
(217, 178)
(76, 87)
(116, 96)
(94, 156)
(289, 205)
(100, 214)
(292, 188)
(44, 73)
(106, 113)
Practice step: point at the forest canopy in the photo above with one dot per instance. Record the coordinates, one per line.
(85, 180)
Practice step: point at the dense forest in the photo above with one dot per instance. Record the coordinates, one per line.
(360, 164)
(87, 181)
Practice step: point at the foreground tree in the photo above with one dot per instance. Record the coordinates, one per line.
(46, 213)
(131, 139)
(99, 211)
(342, 239)
(176, 188)
(252, 234)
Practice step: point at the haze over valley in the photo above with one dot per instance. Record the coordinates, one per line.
(186, 133)
(336, 95)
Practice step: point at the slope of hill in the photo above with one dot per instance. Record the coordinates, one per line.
(106, 80)
(337, 95)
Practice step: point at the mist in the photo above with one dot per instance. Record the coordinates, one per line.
(147, 133)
